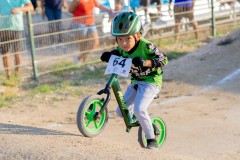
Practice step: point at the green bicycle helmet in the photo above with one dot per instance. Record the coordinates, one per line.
(126, 23)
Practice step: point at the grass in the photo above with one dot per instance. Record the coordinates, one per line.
(70, 82)
(175, 50)
(8, 91)
(7, 97)
(175, 55)
(222, 31)
(12, 82)
(45, 89)
(58, 68)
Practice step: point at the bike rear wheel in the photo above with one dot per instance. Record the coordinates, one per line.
(159, 131)
(87, 125)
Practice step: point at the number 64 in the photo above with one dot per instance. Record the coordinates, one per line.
(121, 63)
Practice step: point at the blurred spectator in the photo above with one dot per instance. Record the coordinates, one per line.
(83, 19)
(117, 9)
(34, 3)
(231, 3)
(183, 9)
(118, 6)
(11, 31)
(52, 9)
(146, 3)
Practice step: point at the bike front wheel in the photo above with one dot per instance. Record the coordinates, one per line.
(159, 131)
(87, 124)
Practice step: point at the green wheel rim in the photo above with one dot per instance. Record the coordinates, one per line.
(91, 125)
(162, 130)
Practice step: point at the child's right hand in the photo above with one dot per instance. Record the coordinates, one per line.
(106, 55)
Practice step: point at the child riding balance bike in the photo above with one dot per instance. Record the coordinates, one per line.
(146, 80)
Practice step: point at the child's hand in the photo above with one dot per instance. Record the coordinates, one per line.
(64, 4)
(15, 10)
(105, 56)
(138, 62)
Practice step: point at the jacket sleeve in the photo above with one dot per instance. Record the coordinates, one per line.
(158, 58)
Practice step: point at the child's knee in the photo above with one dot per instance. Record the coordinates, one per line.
(139, 113)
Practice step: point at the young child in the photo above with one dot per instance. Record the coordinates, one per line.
(146, 71)
(117, 9)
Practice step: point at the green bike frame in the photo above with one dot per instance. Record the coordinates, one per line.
(114, 84)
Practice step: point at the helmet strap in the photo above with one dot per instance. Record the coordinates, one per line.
(135, 39)
(134, 48)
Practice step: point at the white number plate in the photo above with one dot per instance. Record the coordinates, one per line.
(118, 65)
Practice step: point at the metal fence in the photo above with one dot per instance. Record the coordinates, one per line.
(47, 46)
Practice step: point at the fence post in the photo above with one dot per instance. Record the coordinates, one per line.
(32, 45)
(213, 19)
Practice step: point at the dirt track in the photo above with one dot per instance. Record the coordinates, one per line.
(199, 103)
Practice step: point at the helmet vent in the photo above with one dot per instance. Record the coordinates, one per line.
(123, 15)
(120, 25)
(131, 18)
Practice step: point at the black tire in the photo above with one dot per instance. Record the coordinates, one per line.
(159, 131)
(86, 111)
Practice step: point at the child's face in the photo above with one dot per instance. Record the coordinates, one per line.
(127, 42)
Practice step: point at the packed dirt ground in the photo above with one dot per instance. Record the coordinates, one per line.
(199, 103)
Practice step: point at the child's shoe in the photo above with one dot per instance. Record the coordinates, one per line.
(151, 144)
